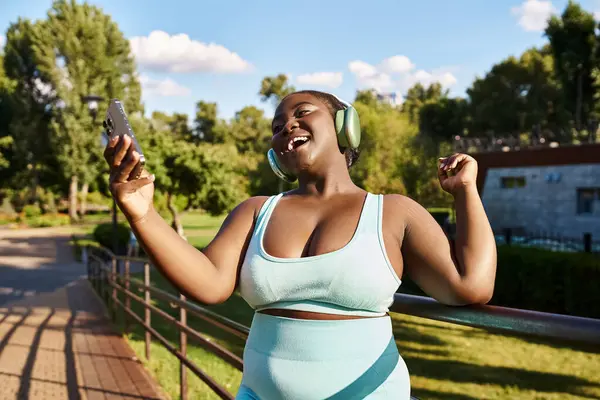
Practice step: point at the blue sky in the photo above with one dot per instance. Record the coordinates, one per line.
(220, 50)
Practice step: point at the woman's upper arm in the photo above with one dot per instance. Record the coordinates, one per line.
(428, 256)
(228, 248)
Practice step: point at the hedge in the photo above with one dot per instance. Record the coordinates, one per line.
(103, 234)
(542, 280)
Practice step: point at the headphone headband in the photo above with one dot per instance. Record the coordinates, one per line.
(345, 103)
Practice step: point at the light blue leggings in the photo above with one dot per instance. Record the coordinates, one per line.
(288, 358)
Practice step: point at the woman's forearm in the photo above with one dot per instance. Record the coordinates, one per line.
(186, 267)
(475, 246)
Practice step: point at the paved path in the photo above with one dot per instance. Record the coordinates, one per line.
(55, 340)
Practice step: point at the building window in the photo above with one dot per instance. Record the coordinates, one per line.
(587, 200)
(509, 182)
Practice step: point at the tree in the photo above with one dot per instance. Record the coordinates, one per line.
(418, 95)
(275, 88)
(385, 135)
(26, 97)
(80, 51)
(516, 95)
(443, 119)
(209, 175)
(6, 141)
(250, 131)
(574, 44)
(206, 123)
(176, 124)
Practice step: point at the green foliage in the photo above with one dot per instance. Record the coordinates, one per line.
(81, 51)
(386, 137)
(207, 123)
(47, 220)
(563, 283)
(275, 88)
(209, 172)
(103, 234)
(574, 45)
(516, 95)
(47, 135)
(418, 95)
(542, 280)
(32, 210)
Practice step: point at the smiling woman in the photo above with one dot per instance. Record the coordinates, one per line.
(320, 264)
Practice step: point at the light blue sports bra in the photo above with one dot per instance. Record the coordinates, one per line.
(357, 279)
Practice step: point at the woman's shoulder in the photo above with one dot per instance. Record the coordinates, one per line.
(399, 206)
(251, 205)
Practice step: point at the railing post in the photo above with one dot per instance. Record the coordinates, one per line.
(183, 349)
(112, 280)
(127, 298)
(587, 242)
(146, 308)
(105, 293)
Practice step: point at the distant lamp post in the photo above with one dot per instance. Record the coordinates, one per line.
(92, 101)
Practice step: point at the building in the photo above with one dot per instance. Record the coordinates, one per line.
(552, 190)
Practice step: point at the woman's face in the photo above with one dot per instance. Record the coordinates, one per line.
(303, 132)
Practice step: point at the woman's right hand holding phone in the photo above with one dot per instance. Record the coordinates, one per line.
(134, 196)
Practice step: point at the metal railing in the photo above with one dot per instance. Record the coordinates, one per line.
(108, 280)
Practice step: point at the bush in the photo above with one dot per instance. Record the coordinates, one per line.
(542, 280)
(32, 210)
(103, 234)
(48, 220)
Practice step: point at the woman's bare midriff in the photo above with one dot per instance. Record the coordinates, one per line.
(309, 315)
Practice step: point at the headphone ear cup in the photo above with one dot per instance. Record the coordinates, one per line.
(347, 125)
(277, 169)
(352, 125)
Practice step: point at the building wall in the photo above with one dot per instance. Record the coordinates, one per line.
(541, 205)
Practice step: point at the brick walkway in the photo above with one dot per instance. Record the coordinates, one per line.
(55, 342)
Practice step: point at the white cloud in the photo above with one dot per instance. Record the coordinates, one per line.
(397, 74)
(369, 76)
(165, 88)
(2, 41)
(178, 53)
(397, 65)
(534, 14)
(328, 79)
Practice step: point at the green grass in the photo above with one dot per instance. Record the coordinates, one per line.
(446, 361)
(200, 228)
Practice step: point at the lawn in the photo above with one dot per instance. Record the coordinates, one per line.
(445, 361)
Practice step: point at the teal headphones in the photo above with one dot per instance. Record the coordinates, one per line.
(347, 126)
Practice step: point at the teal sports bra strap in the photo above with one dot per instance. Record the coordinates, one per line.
(264, 213)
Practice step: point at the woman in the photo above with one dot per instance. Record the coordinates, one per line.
(320, 264)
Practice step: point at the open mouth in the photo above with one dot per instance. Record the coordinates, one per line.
(297, 142)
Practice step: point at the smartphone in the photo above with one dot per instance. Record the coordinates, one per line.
(116, 123)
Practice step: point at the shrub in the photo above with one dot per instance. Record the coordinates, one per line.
(48, 220)
(103, 234)
(542, 280)
(32, 210)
